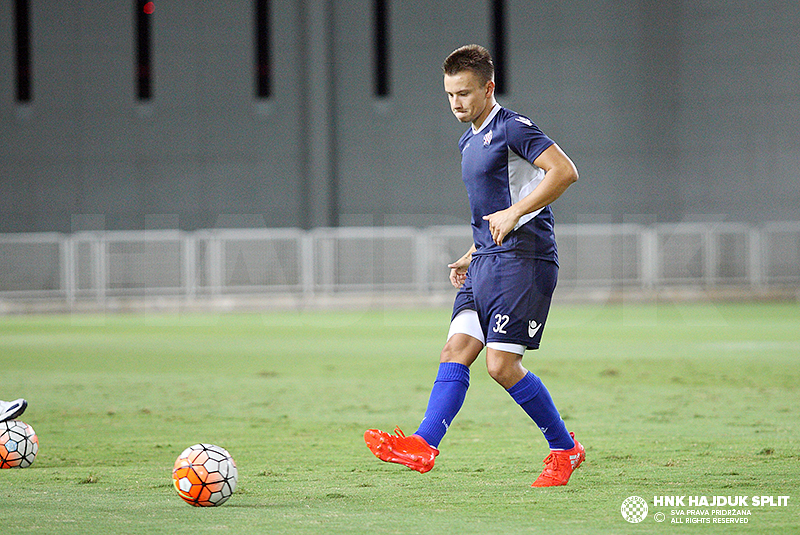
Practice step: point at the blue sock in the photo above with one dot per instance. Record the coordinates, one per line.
(446, 399)
(535, 400)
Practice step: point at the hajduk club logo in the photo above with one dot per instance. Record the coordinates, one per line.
(634, 509)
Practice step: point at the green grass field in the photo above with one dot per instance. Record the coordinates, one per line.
(669, 399)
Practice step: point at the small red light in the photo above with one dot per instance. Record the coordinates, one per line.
(149, 7)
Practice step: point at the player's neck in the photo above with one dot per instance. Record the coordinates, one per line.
(476, 124)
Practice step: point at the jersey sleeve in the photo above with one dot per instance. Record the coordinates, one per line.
(525, 138)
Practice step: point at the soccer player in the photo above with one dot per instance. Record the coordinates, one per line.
(512, 172)
(12, 409)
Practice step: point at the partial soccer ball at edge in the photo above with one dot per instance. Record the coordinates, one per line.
(18, 444)
(205, 475)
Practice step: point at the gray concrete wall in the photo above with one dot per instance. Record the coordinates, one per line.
(672, 111)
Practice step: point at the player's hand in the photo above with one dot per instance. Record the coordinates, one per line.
(458, 271)
(501, 223)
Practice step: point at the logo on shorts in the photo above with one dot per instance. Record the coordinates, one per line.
(634, 509)
(533, 328)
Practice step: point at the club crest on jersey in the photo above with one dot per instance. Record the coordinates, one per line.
(487, 138)
(523, 120)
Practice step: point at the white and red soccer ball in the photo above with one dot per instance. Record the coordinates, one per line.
(205, 475)
(18, 444)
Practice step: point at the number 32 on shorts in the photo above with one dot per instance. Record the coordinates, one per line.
(501, 322)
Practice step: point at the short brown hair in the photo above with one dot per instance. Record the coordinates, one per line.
(473, 58)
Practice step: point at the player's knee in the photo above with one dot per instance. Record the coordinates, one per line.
(451, 352)
(448, 353)
(505, 372)
(461, 349)
(498, 370)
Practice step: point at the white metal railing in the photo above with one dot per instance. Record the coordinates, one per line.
(101, 265)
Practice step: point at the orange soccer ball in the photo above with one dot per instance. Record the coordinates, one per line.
(18, 444)
(205, 475)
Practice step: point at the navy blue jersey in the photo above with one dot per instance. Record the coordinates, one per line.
(497, 168)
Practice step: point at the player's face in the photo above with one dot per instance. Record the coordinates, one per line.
(469, 99)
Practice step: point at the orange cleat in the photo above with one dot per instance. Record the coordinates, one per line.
(559, 465)
(413, 452)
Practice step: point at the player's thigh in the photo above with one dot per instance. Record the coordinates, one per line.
(514, 296)
(465, 339)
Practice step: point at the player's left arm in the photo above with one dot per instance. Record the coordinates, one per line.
(559, 174)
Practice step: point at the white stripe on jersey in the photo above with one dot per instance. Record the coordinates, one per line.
(523, 177)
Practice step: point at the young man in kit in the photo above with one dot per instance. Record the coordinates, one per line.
(512, 172)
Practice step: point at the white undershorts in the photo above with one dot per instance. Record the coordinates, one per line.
(467, 322)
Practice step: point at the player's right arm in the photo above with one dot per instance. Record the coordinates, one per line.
(458, 269)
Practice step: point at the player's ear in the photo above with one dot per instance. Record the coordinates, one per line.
(489, 88)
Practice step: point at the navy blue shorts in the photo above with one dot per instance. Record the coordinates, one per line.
(511, 296)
